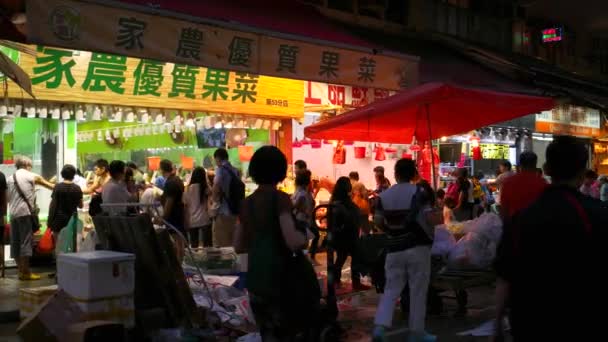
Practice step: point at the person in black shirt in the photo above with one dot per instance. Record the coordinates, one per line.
(65, 200)
(551, 258)
(346, 221)
(172, 201)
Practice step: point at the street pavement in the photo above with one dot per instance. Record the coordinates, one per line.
(356, 315)
(9, 300)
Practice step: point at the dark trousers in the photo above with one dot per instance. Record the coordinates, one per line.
(194, 233)
(314, 245)
(342, 255)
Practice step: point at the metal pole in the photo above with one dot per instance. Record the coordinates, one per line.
(428, 122)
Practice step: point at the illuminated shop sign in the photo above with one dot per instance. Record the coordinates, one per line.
(553, 34)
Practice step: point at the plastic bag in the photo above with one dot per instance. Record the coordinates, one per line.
(240, 306)
(87, 244)
(443, 242)
(489, 225)
(65, 240)
(472, 251)
(46, 245)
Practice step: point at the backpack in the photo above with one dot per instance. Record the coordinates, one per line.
(236, 192)
(412, 234)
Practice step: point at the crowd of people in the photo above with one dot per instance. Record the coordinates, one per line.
(547, 261)
(199, 210)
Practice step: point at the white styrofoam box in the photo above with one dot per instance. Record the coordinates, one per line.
(119, 309)
(96, 275)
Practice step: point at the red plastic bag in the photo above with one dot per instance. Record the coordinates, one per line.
(46, 244)
(380, 153)
(339, 155)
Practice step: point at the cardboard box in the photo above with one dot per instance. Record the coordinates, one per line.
(50, 322)
(31, 298)
(114, 309)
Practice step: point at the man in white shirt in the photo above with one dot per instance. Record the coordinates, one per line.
(408, 262)
(22, 208)
(506, 171)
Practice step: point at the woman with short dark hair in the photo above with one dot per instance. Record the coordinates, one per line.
(268, 234)
(65, 200)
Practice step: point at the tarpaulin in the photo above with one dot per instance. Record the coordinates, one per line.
(432, 110)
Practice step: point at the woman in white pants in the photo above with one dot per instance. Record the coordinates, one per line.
(409, 256)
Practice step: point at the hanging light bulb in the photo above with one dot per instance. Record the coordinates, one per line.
(43, 113)
(96, 114)
(17, 110)
(65, 114)
(130, 117)
(56, 113)
(3, 110)
(79, 114)
(31, 112)
(276, 125)
(145, 117)
(190, 123)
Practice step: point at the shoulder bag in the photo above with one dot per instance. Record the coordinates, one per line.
(299, 284)
(33, 211)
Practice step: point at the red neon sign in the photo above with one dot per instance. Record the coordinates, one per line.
(552, 35)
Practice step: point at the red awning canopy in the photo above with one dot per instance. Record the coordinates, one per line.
(431, 110)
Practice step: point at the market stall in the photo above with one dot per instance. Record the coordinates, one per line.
(427, 112)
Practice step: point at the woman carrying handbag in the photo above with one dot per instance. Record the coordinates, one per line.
(282, 284)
